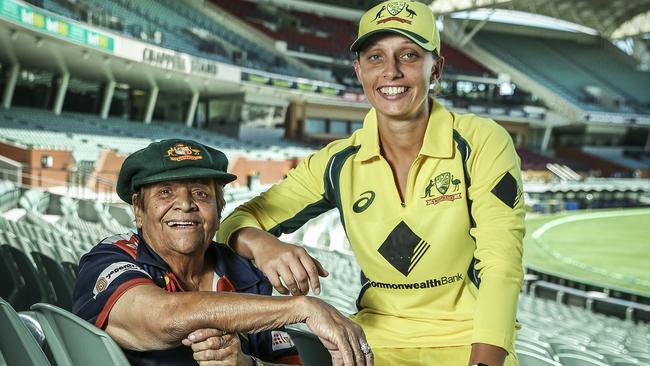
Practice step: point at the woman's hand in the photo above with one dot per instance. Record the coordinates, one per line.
(213, 347)
(280, 261)
(343, 338)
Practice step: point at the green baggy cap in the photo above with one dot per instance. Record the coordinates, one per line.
(172, 159)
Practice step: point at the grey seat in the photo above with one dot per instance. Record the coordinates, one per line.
(527, 358)
(27, 286)
(17, 345)
(58, 278)
(570, 359)
(74, 341)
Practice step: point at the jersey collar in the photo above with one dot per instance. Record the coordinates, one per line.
(438, 138)
(239, 270)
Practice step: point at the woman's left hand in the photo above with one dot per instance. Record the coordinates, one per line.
(214, 347)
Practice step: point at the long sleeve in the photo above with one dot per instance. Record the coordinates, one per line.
(497, 209)
(286, 206)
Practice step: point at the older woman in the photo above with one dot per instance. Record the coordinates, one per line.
(169, 283)
(430, 201)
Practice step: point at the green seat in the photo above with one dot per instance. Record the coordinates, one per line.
(527, 358)
(571, 359)
(58, 278)
(70, 270)
(625, 363)
(11, 282)
(311, 350)
(17, 345)
(27, 287)
(74, 341)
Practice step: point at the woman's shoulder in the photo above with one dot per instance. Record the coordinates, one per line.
(339, 145)
(478, 130)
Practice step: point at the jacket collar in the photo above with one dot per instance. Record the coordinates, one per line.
(239, 270)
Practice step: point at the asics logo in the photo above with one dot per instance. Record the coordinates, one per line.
(364, 202)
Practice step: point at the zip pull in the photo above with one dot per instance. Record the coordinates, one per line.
(403, 204)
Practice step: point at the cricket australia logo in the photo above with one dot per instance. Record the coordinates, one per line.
(394, 9)
(403, 248)
(442, 183)
(181, 152)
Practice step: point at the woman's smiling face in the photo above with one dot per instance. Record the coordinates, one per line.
(396, 74)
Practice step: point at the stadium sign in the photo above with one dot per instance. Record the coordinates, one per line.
(165, 59)
(203, 66)
(37, 19)
(285, 83)
(215, 69)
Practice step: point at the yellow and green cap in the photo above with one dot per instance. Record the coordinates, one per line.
(411, 19)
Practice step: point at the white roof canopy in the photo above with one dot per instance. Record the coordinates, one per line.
(611, 18)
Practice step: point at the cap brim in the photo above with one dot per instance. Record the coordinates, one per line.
(178, 174)
(410, 35)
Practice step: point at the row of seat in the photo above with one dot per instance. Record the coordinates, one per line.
(68, 339)
(35, 277)
(86, 135)
(49, 335)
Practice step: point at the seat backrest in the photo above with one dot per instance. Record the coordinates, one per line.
(17, 345)
(527, 358)
(531, 347)
(53, 272)
(625, 363)
(311, 350)
(74, 341)
(569, 359)
(30, 288)
(71, 270)
(11, 282)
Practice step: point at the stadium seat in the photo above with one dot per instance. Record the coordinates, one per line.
(17, 346)
(570, 359)
(58, 278)
(29, 288)
(311, 350)
(29, 319)
(625, 363)
(532, 347)
(527, 358)
(74, 341)
(70, 270)
(643, 357)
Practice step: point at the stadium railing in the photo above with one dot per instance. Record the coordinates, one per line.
(624, 309)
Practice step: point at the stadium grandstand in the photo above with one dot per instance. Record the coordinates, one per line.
(85, 83)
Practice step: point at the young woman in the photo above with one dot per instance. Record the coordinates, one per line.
(431, 202)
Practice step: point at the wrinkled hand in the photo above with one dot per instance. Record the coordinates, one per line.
(213, 347)
(282, 262)
(342, 337)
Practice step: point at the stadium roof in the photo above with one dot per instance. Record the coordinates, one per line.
(610, 18)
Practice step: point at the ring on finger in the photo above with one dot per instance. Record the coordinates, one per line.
(365, 347)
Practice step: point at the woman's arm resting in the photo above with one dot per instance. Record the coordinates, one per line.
(147, 318)
(487, 354)
(279, 260)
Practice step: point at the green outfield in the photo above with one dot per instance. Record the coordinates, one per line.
(606, 247)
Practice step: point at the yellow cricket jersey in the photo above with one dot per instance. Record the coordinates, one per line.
(442, 268)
